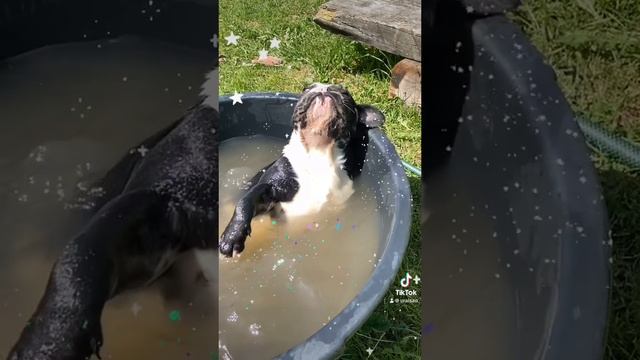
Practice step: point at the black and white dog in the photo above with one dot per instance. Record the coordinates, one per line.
(325, 153)
(164, 204)
(156, 207)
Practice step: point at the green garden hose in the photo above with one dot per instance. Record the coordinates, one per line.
(615, 146)
(412, 168)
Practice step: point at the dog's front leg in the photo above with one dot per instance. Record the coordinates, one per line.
(256, 201)
(275, 185)
(97, 264)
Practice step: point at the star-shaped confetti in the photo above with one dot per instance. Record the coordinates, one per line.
(135, 308)
(416, 279)
(232, 39)
(263, 54)
(237, 98)
(142, 150)
(214, 40)
(275, 43)
(369, 351)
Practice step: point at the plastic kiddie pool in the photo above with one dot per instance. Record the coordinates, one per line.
(506, 168)
(270, 114)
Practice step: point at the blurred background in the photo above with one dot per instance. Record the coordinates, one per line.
(594, 48)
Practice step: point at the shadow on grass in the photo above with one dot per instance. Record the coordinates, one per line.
(373, 61)
(622, 194)
(355, 59)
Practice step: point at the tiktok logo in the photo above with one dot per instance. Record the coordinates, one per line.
(406, 280)
(408, 295)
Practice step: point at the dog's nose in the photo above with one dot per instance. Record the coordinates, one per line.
(321, 105)
(324, 95)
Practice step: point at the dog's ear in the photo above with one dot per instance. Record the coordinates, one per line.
(370, 116)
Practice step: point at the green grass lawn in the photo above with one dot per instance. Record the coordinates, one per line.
(311, 54)
(594, 46)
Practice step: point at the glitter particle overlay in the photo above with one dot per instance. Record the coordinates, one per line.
(135, 309)
(255, 329)
(174, 315)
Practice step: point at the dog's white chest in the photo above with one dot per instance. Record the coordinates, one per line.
(321, 179)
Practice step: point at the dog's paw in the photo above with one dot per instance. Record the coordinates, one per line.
(89, 340)
(233, 238)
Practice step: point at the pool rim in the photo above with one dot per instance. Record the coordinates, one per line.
(340, 328)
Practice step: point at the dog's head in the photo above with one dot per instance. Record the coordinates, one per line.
(327, 114)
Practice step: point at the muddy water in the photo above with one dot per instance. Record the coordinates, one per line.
(471, 302)
(67, 114)
(292, 277)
